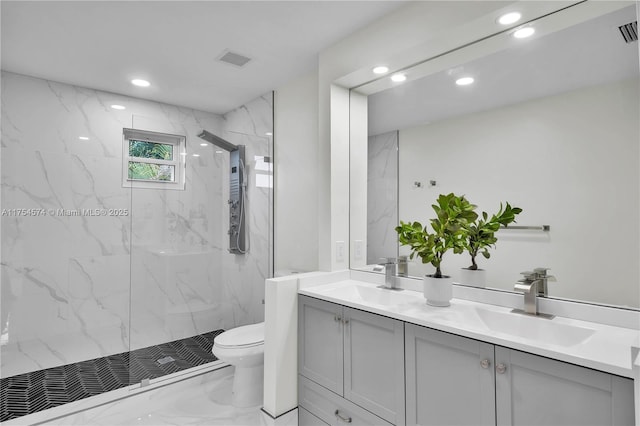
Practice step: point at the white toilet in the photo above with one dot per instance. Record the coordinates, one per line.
(243, 347)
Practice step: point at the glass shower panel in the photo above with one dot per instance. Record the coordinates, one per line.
(65, 227)
(186, 286)
(176, 298)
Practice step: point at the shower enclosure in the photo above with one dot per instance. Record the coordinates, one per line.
(102, 276)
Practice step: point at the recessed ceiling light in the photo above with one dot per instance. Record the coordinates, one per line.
(464, 81)
(509, 18)
(398, 77)
(204, 144)
(380, 70)
(268, 134)
(218, 152)
(183, 153)
(524, 32)
(117, 107)
(196, 155)
(83, 138)
(140, 83)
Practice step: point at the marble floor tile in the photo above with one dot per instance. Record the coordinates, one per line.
(202, 400)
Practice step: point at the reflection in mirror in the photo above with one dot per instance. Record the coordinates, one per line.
(550, 124)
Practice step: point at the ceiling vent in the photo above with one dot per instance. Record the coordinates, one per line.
(233, 58)
(629, 31)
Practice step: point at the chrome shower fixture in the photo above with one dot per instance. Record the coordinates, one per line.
(237, 191)
(217, 141)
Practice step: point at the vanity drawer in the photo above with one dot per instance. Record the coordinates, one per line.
(305, 418)
(332, 408)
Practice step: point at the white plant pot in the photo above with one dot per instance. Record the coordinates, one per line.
(477, 278)
(438, 291)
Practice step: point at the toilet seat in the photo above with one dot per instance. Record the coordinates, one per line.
(241, 337)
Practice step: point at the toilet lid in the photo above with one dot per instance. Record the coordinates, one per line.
(247, 335)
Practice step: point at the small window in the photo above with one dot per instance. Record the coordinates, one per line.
(153, 160)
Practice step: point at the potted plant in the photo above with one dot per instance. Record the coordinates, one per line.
(453, 213)
(480, 236)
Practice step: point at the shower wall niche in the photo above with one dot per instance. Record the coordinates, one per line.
(76, 286)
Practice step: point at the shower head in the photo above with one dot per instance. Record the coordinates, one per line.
(217, 141)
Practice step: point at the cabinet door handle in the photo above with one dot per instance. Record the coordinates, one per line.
(337, 318)
(501, 368)
(345, 321)
(344, 419)
(485, 363)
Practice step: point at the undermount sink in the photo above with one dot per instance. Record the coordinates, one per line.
(371, 295)
(545, 330)
(383, 296)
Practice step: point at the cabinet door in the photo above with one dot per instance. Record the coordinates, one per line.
(374, 364)
(450, 379)
(320, 342)
(534, 390)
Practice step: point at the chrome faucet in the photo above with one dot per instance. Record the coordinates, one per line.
(533, 284)
(389, 266)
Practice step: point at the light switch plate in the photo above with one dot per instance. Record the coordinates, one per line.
(357, 249)
(340, 246)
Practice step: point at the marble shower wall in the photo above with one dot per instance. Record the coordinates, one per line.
(382, 196)
(67, 281)
(251, 125)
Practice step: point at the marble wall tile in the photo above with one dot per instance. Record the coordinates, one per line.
(79, 287)
(244, 275)
(382, 197)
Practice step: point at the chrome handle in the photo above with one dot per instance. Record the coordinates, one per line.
(345, 321)
(485, 363)
(337, 318)
(344, 419)
(501, 368)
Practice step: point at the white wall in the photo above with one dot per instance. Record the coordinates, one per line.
(570, 161)
(296, 184)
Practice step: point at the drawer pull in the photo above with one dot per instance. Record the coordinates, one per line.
(501, 368)
(344, 419)
(485, 363)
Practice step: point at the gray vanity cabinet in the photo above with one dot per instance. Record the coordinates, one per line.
(320, 340)
(533, 390)
(457, 380)
(450, 379)
(359, 356)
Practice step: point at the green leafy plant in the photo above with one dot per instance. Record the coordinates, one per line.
(145, 149)
(480, 233)
(453, 214)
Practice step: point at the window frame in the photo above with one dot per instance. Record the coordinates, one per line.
(178, 143)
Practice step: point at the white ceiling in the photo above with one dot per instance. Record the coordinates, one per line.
(174, 44)
(584, 55)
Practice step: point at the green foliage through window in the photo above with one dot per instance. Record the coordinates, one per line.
(148, 171)
(154, 150)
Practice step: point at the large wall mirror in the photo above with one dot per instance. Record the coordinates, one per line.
(550, 124)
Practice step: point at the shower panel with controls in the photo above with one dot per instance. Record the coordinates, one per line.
(237, 191)
(237, 188)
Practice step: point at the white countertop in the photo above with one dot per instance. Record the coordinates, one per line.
(604, 348)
